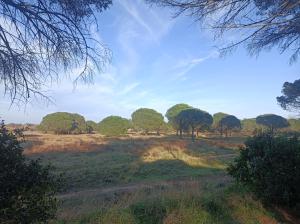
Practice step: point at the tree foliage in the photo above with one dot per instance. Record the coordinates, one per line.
(270, 167)
(290, 100)
(147, 120)
(91, 126)
(173, 111)
(194, 118)
(249, 125)
(260, 24)
(41, 38)
(229, 123)
(63, 123)
(114, 126)
(294, 124)
(27, 188)
(217, 117)
(272, 121)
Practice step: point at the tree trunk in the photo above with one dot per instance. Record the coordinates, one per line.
(272, 130)
(193, 135)
(221, 130)
(177, 132)
(180, 133)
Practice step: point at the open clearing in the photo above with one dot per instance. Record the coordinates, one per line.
(160, 179)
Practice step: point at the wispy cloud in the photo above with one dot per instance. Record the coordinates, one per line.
(183, 67)
(140, 28)
(128, 88)
(133, 11)
(154, 24)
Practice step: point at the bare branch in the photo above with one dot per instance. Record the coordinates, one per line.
(40, 39)
(265, 24)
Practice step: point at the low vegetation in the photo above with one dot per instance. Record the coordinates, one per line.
(270, 166)
(27, 188)
(158, 179)
(138, 171)
(173, 206)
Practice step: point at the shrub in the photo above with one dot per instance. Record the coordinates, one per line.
(114, 126)
(27, 188)
(63, 123)
(270, 166)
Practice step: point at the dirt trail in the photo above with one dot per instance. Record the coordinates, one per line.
(201, 181)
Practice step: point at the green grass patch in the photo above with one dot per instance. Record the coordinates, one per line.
(122, 162)
(230, 205)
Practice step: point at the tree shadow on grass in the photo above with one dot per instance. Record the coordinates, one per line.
(118, 161)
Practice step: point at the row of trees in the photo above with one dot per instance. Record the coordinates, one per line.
(143, 120)
(182, 118)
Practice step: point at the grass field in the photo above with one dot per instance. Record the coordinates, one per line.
(147, 180)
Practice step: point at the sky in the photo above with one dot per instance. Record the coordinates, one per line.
(159, 61)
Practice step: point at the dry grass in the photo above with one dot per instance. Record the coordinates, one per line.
(42, 143)
(177, 153)
(110, 180)
(37, 142)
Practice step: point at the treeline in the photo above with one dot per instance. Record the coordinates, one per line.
(182, 118)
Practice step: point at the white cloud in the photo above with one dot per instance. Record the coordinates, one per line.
(128, 88)
(133, 11)
(154, 22)
(182, 68)
(140, 27)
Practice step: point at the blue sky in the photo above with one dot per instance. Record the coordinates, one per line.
(158, 62)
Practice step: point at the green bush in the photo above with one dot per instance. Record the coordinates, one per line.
(114, 126)
(270, 166)
(63, 123)
(27, 188)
